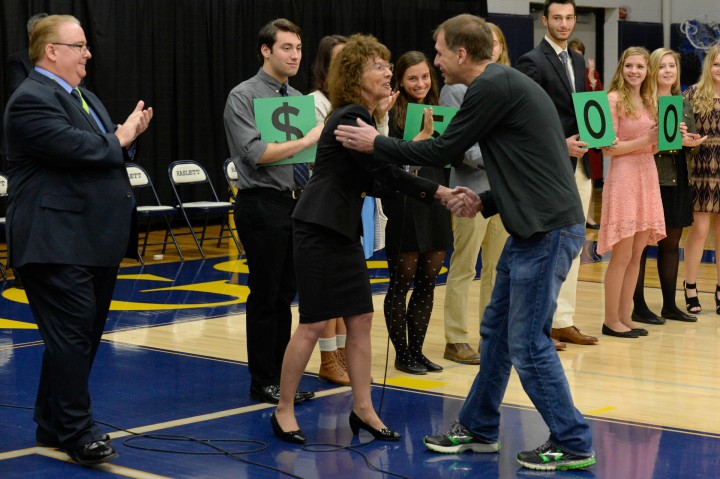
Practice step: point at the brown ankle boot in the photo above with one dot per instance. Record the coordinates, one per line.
(332, 369)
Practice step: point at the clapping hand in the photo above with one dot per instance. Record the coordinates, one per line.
(135, 125)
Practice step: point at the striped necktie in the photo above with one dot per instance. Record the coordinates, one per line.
(301, 171)
(564, 59)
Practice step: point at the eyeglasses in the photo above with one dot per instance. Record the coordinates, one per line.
(80, 47)
(378, 67)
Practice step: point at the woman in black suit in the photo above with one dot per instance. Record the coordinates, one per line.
(333, 280)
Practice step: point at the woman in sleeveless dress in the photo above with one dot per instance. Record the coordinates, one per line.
(632, 212)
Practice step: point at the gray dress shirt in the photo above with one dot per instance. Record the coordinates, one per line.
(243, 137)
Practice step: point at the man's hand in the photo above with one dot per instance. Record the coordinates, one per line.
(359, 138)
(462, 201)
(576, 147)
(313, 136)
(135, 125)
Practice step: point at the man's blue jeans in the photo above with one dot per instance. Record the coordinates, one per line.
(515, 331)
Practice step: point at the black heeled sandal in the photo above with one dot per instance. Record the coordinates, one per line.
(717, 300)
(383, 434)
(693, 304)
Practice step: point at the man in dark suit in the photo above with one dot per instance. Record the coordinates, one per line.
(70, 221)
(18, 64)
(560, 71)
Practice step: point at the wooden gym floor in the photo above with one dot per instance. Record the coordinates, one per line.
(173, 362)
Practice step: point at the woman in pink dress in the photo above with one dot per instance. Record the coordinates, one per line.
(632, 212)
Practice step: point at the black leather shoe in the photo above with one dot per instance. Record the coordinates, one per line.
(678, 316)
(44, 439)
(640, 331)
(293, 437)
(429, 365)
(93, 453)
(383, 434)
(592, 226)
(652, 319)
(619, 334)
(271, 394)
(410, 367)
(301, 395)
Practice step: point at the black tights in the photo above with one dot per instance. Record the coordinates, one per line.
(407, 325)
(668, 259)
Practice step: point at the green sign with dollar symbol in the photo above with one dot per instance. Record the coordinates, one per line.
(592, 111)
(286, 118)
(414, 119)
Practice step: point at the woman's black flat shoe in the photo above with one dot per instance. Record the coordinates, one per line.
(410, 367)
(619, 334)
(383, 434)
(293, 437)
(678, 316)
(640, 331)
(429, 365)
(647, 319)
(593, 226)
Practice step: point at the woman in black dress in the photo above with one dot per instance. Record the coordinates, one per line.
(332, 275)
(417, 234)
(676, 192)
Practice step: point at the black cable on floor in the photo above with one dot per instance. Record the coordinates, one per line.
(221, 451)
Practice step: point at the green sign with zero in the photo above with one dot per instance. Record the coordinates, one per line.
(670, 111)
(592, 112)
(281, 119)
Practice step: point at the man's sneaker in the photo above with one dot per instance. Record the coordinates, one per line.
(459, 439)
(550, 457)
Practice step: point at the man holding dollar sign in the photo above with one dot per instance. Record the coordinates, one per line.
(266, 197)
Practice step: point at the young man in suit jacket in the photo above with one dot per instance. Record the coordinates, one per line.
(545, 65)
(70, 220)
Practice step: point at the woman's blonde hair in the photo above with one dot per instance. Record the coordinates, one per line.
(702, 100)
(618, 84)
(654, 67)
(503, 59)
(347, 68)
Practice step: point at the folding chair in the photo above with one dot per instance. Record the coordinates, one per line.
(231, 175)
(186, 177)
(3, 222)
(149, 208)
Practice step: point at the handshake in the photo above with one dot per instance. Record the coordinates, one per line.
(461, 201)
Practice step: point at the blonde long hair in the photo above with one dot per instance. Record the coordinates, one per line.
(618, 84)
(702, 100)
(654, 67)
(504, 58)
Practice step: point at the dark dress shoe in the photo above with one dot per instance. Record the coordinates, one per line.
(93, 453)
(619, 334)
(382, 434)
(678, 316)
(293, 437)
(271, 394)
(45, 439)
(429, 365)
(410, 367)
(592, 226)
(647, 319)
(301, 395)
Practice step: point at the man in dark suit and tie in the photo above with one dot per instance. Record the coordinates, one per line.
(70, 221)
(560, 71)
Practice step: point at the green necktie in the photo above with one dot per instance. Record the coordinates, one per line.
(77, 94)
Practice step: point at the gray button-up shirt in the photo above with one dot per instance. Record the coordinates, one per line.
(243, 137)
